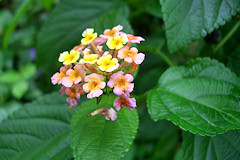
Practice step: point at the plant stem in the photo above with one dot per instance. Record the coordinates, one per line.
(22, 9)
(157, 52)
(165, 58)
(225, 39)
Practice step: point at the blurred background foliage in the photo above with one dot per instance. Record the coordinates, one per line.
(27, 60)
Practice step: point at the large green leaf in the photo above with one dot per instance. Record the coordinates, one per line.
(188, 20)
(203, 97)
(220, 147)
(96, 138)
(37, 130)
(65, 25)
(57, 147)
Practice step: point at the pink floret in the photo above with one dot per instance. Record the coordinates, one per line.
(121, 83)
(109, 114)
(72, 102)
(139, 58)
(124, 101)
(54, 78)
(134, 39)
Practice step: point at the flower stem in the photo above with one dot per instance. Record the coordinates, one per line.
(157, 52)
(95, 49)
(165, 58)
(225, 39)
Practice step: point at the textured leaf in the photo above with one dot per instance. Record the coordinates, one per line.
(188, 20)
(57, 147)
(7, 109)
(65, 25)
(203, 97)
(220, 147)
(34, 128)
(96, 138)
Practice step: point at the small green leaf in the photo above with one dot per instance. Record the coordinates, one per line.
(19, 89)
(47, 4)
(96, 138)
(10, 77)
(28, 70)
(221, 147)
(203, 97)
(37, 131)
(189, 20)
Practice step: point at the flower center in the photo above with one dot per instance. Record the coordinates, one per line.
(89, 37)
(94, 84)
(123, 102)
(130, 54)
(131, 37)
(111, 32)
(117, 42)
(70, 57)
(121, 82)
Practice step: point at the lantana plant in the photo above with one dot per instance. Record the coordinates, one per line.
(88, 69)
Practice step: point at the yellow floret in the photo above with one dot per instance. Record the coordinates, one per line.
(89, 36)
(90, 58)
(117, 42)
(106, 63)
(68, 58)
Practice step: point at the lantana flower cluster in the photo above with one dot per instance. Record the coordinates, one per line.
(88, 69)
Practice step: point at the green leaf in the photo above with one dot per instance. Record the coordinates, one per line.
(65, 25)
(28, 70)
(57, 147)
(96, 138)
(154, 8)
(189, 20)
(220, 147)
(179, 154)
(38, 127)
(47, 4)
(19, 89)
(111, 20)
(7, 109)
(203, 97)
(10, 77)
